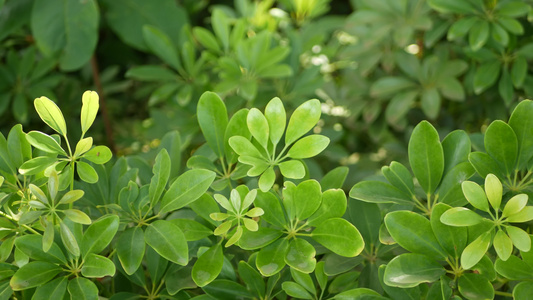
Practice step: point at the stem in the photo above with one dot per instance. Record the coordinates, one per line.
(503, 294)
(103, 105)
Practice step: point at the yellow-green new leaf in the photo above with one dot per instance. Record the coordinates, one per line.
(503, 245)
(258, 126)
(44, 142)
(515, 205)
(89, 109)
(309, 146)
(277, 119)
(83, 146)
(493, 189)
(51, 115)
(476, 250)
(302, 120)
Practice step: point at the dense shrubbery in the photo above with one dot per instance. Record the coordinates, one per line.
(228, 183)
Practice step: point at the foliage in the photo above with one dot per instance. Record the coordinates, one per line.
(220, 179)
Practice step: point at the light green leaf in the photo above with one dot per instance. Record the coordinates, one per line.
(71, 196)
(167, 240)
(333, 205)
(460, 216)
(452, 239)
(295, 290)
(475, 195)
(208, 266)
(476, 250)
(161, 172)
(258, 126)
(86, 172)
(98, 155)
(519, 237)
(277, 119)
(339, 236)
(83, 146)
(426, 156)
(89, 109)
(525, 215)
(409, 270)
(69, 240)
(51, 114)
(213, 120)
(266, 181)
(44, 142)
(493, 189)
(309, 146)
(379, 192)
(503, 245)
(36, 165)
(96, 266)
(186, 189)
(303, 119)
(77, 216)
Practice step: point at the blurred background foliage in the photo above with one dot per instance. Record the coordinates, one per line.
(378, 66)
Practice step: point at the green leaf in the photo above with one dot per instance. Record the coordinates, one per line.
(98, 155)
(409, 270)
(71, 197)
(96, 266)
(304, 200)
(476, 250)
(513, 268)
(522, 126)
(484, 164)
(34, 274)
(221, 27)
(514, 9)
(36, 165)
(161, 172)
(518, 74)
(277, 119)
(77, 216)
(292, 169)
(398, 175)
(303, 119)
(452, 239)
(295, 290)
(333, 205)
(414, 233)
(99, 234)
(460, 216)
(206, 38)
(501, 143)
(511, 25)
(67, 28)
(335, 178)
(271, 259)
(258, 126)
(213, 120)
(475, 286)
(161, 45)
(252, 278)
(486, 76)
(236, 127)
(479, 34)
(379, 192)
(226, 289)
(446, 6)
(31, 245)
(151, 73)
(475, 195)
(83, 146)
(274, 213)
(499, 34)
(89, 109)
(387, 86)
(426, 156)
(167, 240)
(69, 240)
(430, 103)
(456, 146)
(208, 266)
(130, 249)
(44, 142)
(51, 114)
(266, 181)
(399, 105)
(192, 230)
(523, 290)
(82, 288)
(252, 240)
(301, 256)
(308, 147)
(187, 188)
(461, 27)
(339, 236)
(54, 289)
(86, 172)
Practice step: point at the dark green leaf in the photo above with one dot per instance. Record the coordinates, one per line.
(271, 259)
(379, 192)
(54, 289)
(97, 266)
(208, 266)
(213, 120)
(130, 249)
(167, 240)
(475, 287)
(188, 187)
(409, 270)
(339, 236)
(82, 288)
(99, 234)
(33, 274)
(501, 143)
